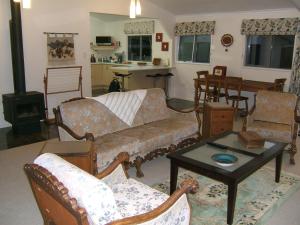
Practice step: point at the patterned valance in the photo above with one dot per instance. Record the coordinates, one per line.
(195, 28)
(280, 26)
(144, 27)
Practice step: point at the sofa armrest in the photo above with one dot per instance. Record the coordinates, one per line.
(197, 110)
(187, 186)
(121, 159)
(59, 123)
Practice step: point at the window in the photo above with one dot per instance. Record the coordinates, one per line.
(140, 48)
(194, 48)
(271, 51)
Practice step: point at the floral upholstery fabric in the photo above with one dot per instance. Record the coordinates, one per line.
(179, 213)
(179, 128)
(150, 138)
(110, 145)
(133, 198)
(88, 115)
(91, 193)
(275, 107)
(116, 177)
(154, 106)
(272, 131)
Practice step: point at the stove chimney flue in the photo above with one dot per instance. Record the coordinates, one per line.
(17, 48)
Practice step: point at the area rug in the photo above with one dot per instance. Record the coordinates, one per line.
(257, 198)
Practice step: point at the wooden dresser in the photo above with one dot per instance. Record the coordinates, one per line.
(79, 153)
(217, 118)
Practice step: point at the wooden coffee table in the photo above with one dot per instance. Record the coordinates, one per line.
(197, 158)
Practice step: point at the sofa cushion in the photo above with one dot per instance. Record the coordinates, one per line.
(271, 131)
(268, 102)
(154, 106)
(88, 115)
(134, 198)
(179, 128)
(91, 193)
(150, 138)
(110, 145)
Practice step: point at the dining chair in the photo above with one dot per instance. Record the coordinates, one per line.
(201, 89)
(233, 88)
(220, 71)
(212, 88)
(279, 84)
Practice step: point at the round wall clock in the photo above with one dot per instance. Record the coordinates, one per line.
(227, 40)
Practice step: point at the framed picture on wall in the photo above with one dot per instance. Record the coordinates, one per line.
(165, 46)
(159, 37)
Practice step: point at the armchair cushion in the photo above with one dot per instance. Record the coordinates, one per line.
(268, 102)
(271, 131)
(134, 198)
(91, 193)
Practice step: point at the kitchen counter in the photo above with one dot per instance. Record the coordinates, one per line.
(135, 68)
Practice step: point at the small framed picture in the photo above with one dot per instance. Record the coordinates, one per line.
(159, 37)
(165, 46)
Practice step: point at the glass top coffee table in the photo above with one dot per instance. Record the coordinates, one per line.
(201, 158)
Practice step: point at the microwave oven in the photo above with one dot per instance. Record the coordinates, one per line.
(103, 40)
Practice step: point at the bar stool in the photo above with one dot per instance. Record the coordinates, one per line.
(122, 79)
(166, 82)
(165, 76)
(155, 77)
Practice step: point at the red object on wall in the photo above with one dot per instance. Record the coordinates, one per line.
(159, 37)
(165, 46)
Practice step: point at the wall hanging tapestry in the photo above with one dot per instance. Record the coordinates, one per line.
(60, 48)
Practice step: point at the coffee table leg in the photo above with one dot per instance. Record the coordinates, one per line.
(232, 189)
(278, 167)
(173, 177)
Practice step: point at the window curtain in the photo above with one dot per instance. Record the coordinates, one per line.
(279, 26)
(144, 27)
(195, 28)
(295, 77)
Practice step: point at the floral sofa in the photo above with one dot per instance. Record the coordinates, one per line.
(66, 194)
(156, 129)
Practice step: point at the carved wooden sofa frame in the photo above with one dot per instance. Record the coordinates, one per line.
(151, 155)
(57, 207)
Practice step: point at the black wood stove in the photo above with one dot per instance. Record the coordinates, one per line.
(22, 109)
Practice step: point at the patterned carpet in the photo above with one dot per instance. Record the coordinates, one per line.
(257, 199)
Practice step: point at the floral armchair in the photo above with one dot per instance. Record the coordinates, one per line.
(274, 118)
(68, 195)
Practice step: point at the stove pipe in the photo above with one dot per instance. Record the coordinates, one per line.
(17, 48)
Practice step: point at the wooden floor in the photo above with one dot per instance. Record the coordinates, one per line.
(10, 140)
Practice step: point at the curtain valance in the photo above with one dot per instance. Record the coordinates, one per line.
(144, 27)
(195, 28)
(278, 26)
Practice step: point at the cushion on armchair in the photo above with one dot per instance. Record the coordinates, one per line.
(268, 102)
(91, 193)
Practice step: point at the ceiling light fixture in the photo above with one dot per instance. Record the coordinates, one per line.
(135, 8)
(25, 3)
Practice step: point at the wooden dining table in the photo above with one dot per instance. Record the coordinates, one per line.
(247, 85)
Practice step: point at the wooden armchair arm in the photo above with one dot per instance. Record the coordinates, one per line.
(187, 186)
(121, 158)
(59, 123)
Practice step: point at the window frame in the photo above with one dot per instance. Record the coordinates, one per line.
(193, 51)
(140, 48)
(253, 67)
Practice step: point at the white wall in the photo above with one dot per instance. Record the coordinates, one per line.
(59, 16)
(182, 83)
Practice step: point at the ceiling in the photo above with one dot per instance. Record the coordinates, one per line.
(182, 7)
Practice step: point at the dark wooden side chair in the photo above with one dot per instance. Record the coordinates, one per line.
(220, 71)
(201, 89)
(212, 88)
(234, 84)
(279, 84)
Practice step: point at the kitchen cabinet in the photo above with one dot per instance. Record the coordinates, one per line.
(96, 72)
